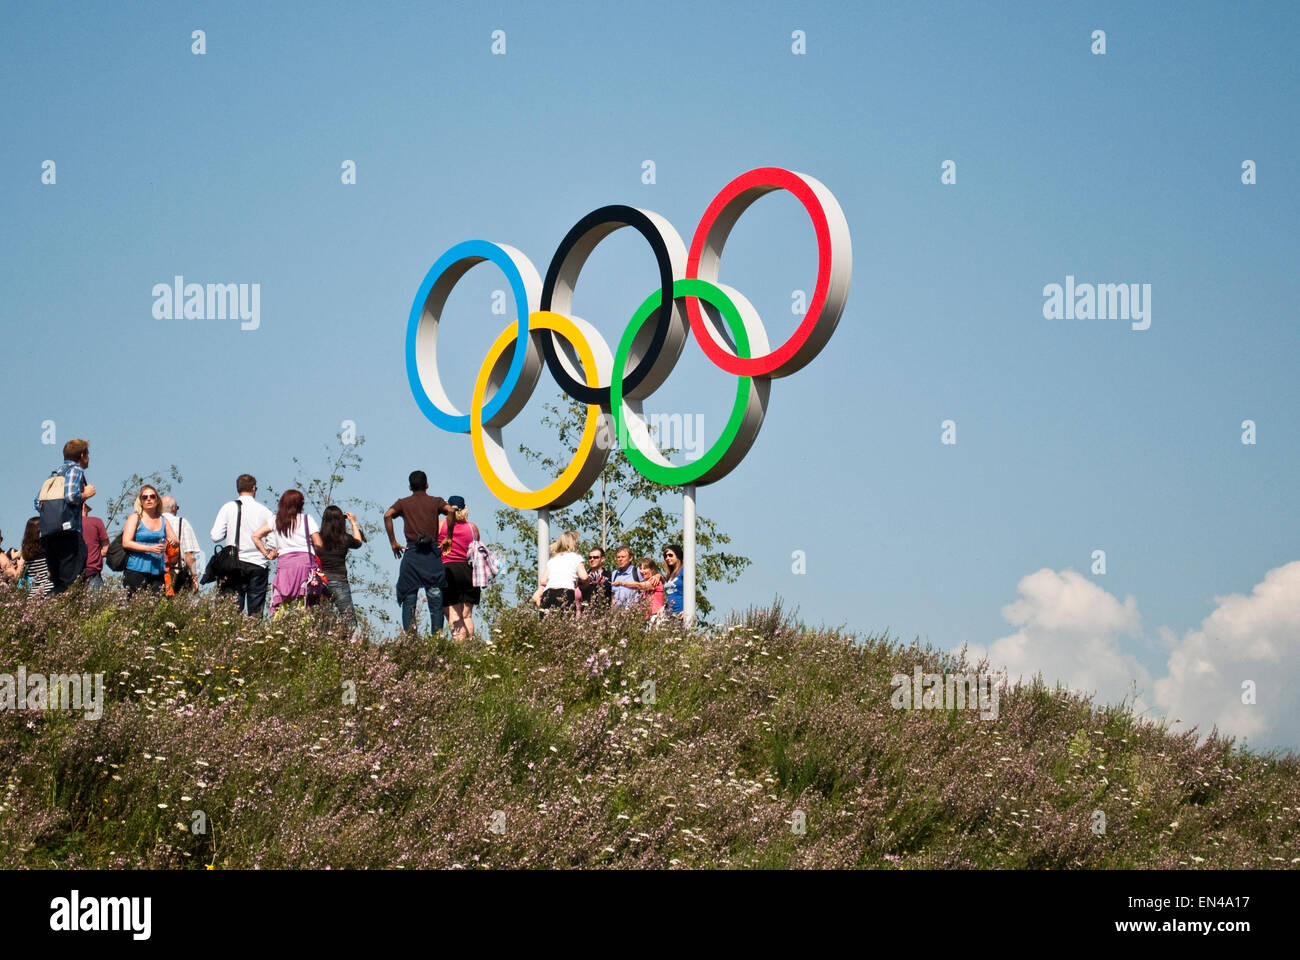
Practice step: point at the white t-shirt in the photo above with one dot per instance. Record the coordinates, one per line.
(255, 517)
(296, 541)
(189, 542)
(562, 571)
(185, 531)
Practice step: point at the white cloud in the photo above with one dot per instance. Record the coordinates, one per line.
(1070, 630)
(1254, 638)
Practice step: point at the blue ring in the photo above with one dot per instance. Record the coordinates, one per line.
(477, 251)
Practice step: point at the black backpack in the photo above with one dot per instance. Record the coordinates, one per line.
(56, 513)
(115, 558)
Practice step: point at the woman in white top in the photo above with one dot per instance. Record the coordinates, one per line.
(564, 572)
(292, 528)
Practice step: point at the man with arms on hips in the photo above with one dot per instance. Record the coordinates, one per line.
(249, 585)
(422, 556)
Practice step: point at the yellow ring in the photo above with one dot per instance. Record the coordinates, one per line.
(554, 493)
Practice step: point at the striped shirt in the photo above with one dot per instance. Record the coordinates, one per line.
(40, 583)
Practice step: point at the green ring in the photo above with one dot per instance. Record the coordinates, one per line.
(674, 476)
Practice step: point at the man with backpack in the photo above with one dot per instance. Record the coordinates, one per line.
(59, 507)
(625, 572)
(187, 577)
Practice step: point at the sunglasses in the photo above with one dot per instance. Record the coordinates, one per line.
(148, 496)
(595, 556)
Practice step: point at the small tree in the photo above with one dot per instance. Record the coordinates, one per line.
(367, 578)
(120, 505)
(621, 507)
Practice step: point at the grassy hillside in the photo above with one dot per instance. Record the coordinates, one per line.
(752, 724)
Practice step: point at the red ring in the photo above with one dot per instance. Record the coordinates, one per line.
(764, 180)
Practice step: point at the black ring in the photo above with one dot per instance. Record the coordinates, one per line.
(624, 216)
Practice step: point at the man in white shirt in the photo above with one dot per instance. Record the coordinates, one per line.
(249, 585)
(190, 551)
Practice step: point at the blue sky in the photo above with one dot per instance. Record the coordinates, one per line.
(1072, 435)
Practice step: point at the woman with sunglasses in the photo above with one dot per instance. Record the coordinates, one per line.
(674, 587)
(145, 538)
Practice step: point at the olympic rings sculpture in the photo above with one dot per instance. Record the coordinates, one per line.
(615, 383)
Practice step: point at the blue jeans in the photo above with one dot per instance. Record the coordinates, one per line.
(341, 594)
(249, 588)
(94, 582)
(434, 596)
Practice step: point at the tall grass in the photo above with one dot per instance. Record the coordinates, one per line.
(537, 749)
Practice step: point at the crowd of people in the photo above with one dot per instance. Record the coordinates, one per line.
(159, 552)
(569, 582)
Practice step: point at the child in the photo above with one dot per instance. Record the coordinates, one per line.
(652, 584)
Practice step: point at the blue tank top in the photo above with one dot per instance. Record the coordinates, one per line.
(673, 593)
(147, 562)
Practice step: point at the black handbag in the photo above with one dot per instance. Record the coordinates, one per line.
(225, 562)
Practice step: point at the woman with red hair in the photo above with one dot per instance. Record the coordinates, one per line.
(295, 532)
